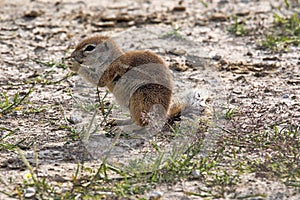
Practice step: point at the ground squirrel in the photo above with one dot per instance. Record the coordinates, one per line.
(139, 80)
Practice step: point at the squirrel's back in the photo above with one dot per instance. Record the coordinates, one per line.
(145, 83)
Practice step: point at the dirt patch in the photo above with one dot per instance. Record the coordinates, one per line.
(44, 106)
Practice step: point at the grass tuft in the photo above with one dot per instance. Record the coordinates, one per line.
(238, 28)
(8, 105)
(284, 33)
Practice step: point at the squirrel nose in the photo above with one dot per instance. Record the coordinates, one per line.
(72, 59)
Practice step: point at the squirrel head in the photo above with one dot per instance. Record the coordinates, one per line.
(95, 51)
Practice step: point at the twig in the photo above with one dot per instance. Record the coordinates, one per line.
(87, 133)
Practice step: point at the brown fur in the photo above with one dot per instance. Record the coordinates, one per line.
(91, 40)
(126, 62)
(145, 96)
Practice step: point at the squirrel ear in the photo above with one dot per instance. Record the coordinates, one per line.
(103, 47)
(106, 46)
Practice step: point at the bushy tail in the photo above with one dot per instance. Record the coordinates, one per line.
(188, 104)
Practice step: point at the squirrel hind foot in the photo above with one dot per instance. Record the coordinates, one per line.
(119, 122)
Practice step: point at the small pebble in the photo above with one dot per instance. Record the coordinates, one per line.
(216, 57)
(177, 52)
(285, 96)
(218, 17)
(249, 53)
(75, 119)
(104, 24)
(155, 195)
(33, 13)
(29, 192)
(196, 173)
(179, 9)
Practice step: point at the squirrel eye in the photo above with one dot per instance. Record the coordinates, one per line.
(89, 47)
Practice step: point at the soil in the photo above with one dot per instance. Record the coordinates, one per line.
(193, 39)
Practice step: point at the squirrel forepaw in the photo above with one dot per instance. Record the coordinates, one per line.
(74, 66)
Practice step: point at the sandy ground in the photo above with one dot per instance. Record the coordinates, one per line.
(231, 70)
